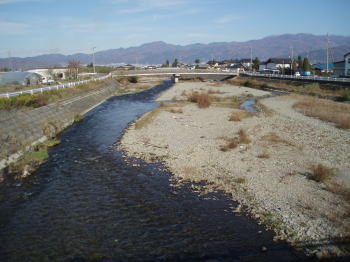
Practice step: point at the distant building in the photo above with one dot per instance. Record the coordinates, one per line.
(20, 78)
(246, 62)
(275, 64)
(347, 64)
(342, 68)
(237, 68)
(322, 67)
(50, 73)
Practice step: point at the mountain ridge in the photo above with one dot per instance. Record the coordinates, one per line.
(158, 52)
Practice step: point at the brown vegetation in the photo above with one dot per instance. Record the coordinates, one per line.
(325, 110)
(231, 143)
(321, 173)
(310, 88)
(202, 99)
(275, 139)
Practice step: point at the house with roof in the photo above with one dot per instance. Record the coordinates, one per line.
(347, 64)
(342, 68)
(277, 63)
(20, 78)
(322, 67)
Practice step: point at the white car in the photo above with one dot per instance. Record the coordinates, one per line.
(297, 74)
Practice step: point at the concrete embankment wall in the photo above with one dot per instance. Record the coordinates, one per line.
(21, 130)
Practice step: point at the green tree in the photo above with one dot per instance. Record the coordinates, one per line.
(306, 64)
(256, 63)
(300, 63)
(175, 63)
(294, 66)
(197, 61)
(166, 64)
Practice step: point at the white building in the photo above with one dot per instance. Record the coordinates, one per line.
(51, 73)
(347, 64)
(342, 68)
(276, 63)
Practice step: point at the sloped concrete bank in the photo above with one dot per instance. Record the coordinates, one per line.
(21, 130)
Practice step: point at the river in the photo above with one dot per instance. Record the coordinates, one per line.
(89, 203)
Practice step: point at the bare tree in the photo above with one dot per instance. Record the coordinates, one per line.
(73, 68)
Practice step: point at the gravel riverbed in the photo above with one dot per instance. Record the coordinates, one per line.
(269, 175)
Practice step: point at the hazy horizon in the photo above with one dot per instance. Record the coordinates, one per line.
(35, 27)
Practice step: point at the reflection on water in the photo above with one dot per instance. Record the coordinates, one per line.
(88, 203)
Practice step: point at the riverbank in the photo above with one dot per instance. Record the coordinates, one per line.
(26, 127)
(267, 161)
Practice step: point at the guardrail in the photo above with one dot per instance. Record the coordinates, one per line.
(56, 87)
(313, 77)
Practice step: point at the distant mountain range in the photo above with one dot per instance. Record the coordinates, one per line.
(309, 45)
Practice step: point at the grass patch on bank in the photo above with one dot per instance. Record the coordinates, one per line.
(240, 115)
(28, 101)
(30, 160)
(325, 110)
(274, 139)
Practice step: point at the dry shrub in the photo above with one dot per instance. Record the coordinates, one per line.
(202, 99)
(325, 110)
(234, 142)
(321, 173)
(239, 115)
(339, 190)
(230, 144)
(243, 137)
(264, 155)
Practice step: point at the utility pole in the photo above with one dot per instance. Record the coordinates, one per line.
(251, 58)
(291, 61)
(93, 58)
(10, 60)
(327, 53)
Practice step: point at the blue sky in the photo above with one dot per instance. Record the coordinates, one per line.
(33, 27)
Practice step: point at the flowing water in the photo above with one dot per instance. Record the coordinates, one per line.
(89, 203)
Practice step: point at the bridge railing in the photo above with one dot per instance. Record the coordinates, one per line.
(312, 77)
(48, 88)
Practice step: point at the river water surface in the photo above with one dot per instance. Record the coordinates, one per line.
(88, 203)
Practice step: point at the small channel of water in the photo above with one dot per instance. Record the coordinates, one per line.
(88, 203)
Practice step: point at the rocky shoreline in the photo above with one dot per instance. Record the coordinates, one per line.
(267, 171)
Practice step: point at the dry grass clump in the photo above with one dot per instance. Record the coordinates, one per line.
(243, 137)
(176, 111)
(239, 115)
(321, 173)
(202, 99)
(211, 92)
(275, 139)
(231, 143)
(264, 155)
(325, 110)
